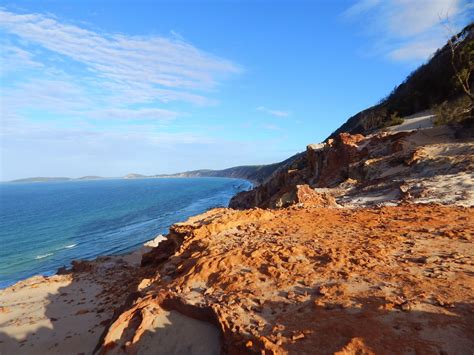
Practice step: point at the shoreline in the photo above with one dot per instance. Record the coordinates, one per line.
(26, 181)
(70, 309)
(7, 283)
(129, 255)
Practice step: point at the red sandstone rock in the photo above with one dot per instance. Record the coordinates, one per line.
(316, 280)
(379, 163)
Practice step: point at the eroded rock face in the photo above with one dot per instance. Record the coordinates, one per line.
(303, 195)
(315, 280)
(363, 171)
(323, 165)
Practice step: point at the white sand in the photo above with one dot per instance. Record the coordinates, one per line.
(164, 332)
(53, 315)
(62, 314)
(174, 333)
(420, 120)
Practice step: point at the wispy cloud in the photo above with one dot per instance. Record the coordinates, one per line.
(130, 114)
(277, 113)
(13, 58)
(65, 68)
(117, 95)
(156, 61)
(406, 30)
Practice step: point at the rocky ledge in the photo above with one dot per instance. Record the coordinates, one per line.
(310, 279)
(419, 166)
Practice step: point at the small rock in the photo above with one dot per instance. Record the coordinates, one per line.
(406, 307)
(431, 259)
(297, 336)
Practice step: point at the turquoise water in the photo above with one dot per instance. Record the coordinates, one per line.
(44, 226)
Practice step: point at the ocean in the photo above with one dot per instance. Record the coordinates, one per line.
(44, 226)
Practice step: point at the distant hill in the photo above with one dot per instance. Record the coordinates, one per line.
(135, 176)
(254, 173)
(42, 179)
(91, 177)
(56, 179)
(431, 84)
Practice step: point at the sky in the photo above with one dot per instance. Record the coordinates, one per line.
(115, 87)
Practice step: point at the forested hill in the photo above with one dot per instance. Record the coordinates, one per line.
(430, 85)
(255, 173)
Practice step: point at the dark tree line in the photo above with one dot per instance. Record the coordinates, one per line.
(444, 83)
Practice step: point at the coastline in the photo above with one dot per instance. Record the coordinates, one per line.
(70, 309)
(230, 280)
(64, 253)
(81, 179)
(41, 311)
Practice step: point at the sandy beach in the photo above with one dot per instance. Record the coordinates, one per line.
(67, 313)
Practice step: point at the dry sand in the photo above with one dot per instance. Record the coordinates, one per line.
(313, 280)
(420, 120)
(66, 314)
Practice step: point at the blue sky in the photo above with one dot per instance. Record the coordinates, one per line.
(112, 87)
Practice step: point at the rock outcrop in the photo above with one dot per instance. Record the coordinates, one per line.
(378, 169)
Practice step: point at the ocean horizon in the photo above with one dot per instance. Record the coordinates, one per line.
(44, 226)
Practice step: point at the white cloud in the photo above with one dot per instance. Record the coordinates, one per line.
(127, 114)
(56, 94)
(420, 49)
(13, 58)
(360, 7)
(277, 113)
(71, 101)
(159, 61)
(111, 70)
(405, 29)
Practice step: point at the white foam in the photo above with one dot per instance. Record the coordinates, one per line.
(43, 256)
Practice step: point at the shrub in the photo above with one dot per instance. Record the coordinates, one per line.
(394, 120)
(452, 112)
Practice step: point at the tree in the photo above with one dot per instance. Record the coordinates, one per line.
(462, 60)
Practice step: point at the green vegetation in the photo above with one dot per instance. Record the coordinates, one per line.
(438, 84)
(395, 120)
(462, 61)
(255, 173)
(455, 111)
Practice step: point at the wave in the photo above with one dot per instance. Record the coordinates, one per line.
(90, 227)
(43, 256)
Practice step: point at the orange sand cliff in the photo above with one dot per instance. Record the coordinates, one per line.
(315, 280)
